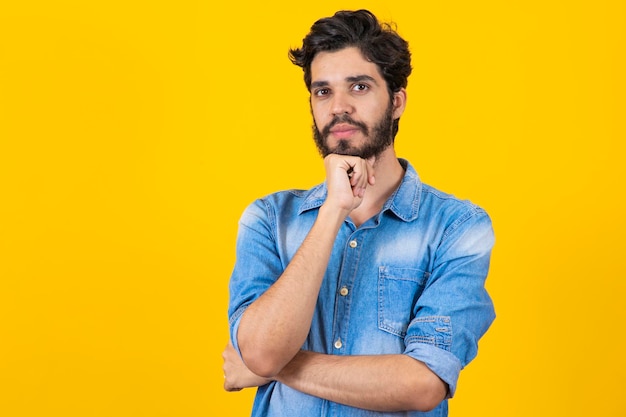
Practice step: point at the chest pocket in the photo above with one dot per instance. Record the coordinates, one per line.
(398, 291)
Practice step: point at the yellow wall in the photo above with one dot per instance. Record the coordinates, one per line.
(133, 133)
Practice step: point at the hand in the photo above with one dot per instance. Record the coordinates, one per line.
(236, 375)
(347, 177)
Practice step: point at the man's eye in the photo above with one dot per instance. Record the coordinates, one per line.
(321, 92)
(360, 87)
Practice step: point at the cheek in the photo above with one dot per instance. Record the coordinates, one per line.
(318, 118)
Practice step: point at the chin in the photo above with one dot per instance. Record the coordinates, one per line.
(345, 147)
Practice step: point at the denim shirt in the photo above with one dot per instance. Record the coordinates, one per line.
(410, 280)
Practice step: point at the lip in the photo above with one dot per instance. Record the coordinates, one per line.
(344, 130)
(343, 127)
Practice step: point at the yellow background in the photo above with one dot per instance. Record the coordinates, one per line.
(133, 134)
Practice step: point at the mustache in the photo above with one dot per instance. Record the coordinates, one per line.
(344, 118)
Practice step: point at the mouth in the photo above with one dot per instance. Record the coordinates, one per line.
(343, 131)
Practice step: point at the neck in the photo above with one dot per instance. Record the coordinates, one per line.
(388, 174)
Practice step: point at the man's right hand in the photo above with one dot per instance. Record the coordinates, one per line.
(347, 178)
(236, 375)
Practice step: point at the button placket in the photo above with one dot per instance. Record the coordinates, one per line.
(350, 266)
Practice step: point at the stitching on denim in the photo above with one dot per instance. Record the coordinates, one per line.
(432, 319)
(444, 343)
(386, 274)
(271, 218)
(237, 314)
(443, 329)
(388, 329)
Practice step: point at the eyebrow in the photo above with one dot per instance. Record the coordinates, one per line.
(354, 79)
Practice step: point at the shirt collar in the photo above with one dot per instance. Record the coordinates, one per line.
(404, 202)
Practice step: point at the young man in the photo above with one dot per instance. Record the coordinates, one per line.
(363, 296)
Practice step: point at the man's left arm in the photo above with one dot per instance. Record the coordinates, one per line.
(373, 382)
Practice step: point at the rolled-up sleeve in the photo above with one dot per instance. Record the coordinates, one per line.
(454, 310)
(257, 264)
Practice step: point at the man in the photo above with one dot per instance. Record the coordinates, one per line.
(363, 296)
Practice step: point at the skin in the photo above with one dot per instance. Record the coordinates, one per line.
(274, 327)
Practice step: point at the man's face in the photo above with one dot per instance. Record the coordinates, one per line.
(352, 111)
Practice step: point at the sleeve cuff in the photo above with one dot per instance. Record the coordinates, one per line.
(443, 363)
(234, 327)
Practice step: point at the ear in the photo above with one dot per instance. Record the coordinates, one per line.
(399, 103)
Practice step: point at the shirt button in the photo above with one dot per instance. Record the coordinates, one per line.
(343, 291)
(338, 344)
(353, 243)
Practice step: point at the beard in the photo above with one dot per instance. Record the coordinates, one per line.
(380, 139)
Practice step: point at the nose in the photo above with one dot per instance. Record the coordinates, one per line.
(341, 104)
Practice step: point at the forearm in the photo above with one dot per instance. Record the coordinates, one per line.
(380, 383)
(274, 327)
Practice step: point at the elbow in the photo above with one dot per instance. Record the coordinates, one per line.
(425, 405)
(261, 363)
(427, 393)
(433, 396)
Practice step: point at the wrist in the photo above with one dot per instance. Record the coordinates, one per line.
(332, 214)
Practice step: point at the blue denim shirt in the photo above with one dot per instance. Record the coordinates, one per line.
(408, 281)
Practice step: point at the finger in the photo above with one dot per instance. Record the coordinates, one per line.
(361, 178)
(230, 388)
(356, 183)
(357, 170)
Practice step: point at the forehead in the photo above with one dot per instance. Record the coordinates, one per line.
(340, 65)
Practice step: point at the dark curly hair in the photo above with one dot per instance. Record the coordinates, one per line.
(378, 42)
